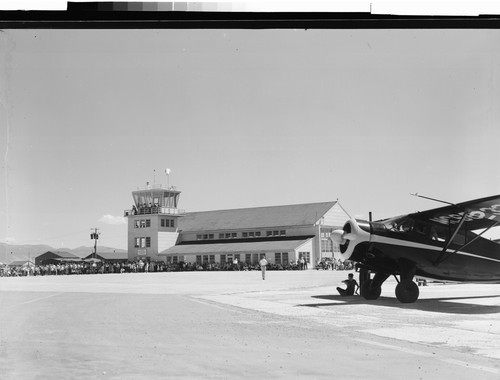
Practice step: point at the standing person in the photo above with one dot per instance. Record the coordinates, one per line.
(352, 286)
(301, 263)
(263, 264)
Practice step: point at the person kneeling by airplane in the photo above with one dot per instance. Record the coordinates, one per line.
(352, 286)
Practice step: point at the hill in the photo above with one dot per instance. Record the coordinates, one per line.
(10, 252)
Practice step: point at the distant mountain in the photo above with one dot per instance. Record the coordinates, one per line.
(9, 252)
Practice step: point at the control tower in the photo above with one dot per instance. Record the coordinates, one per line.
(153, 221)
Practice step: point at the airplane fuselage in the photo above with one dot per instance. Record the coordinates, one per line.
(479, 261)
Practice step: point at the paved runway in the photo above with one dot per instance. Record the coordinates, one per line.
(228, 325)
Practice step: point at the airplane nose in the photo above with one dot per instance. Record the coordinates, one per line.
(340, 236)
(337, 236)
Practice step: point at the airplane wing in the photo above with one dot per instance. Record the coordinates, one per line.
(480, 213)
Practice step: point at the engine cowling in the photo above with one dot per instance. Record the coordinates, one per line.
(348, 237)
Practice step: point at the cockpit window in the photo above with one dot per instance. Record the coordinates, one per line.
(405, 224)
(400, 224)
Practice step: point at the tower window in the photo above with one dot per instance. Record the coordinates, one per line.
(142, 223)
(142, 242)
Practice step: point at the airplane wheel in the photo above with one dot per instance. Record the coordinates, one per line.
(368, 292)
(407, 292)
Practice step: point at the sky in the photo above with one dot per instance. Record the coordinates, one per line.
(243, 118)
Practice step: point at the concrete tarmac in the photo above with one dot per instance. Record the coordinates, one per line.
(230, 325)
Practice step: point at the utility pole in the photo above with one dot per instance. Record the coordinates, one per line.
(95, 235)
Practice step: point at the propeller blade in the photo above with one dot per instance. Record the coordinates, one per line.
(337, 236)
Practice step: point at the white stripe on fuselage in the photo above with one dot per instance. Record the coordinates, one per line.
(412, 244)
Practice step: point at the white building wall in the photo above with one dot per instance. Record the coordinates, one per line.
(166, 240)
(336, 216)
(306, 247)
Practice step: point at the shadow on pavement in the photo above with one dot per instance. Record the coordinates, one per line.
(441, 305)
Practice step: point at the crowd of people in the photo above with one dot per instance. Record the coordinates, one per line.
(335, 264)
(96, 267)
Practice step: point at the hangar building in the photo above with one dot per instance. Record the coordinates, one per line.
(159, 230)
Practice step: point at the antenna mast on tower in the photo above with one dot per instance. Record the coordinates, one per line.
(167, 172)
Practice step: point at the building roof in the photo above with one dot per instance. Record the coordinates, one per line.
(19, 263)
(262, 217)
(110, 255)
(63, 254)
(244, 247)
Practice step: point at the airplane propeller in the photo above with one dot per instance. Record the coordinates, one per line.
(341, 236)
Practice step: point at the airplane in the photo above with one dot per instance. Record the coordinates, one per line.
(444, 244)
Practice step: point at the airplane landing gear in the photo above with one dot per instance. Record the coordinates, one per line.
(371, 289)
(407, 291)
(370, 292)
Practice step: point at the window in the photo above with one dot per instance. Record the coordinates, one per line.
(284, 258)
(277, 257)
(228, 235)
(237, 256)
(198, 259)
(269, 233)
(222, 259)
(172, 222)
(212, 259)
(276, 233)
(142, 242)
(142, 223)
(257, 234)
(198, 237)
(282, 233)
(251, 234)
(221, 236)
(210, 236)
(244, 234)
(281, 258)
(234, 235)
(326, 245)
(175, 259)
(163, 222)
(205, 236)
(205, 259)
(248, 258)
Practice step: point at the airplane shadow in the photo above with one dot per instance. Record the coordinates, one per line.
(440, 305)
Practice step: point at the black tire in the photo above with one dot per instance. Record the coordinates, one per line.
(407, 292)
(368, 292)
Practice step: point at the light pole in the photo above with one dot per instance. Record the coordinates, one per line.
(95, 235)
